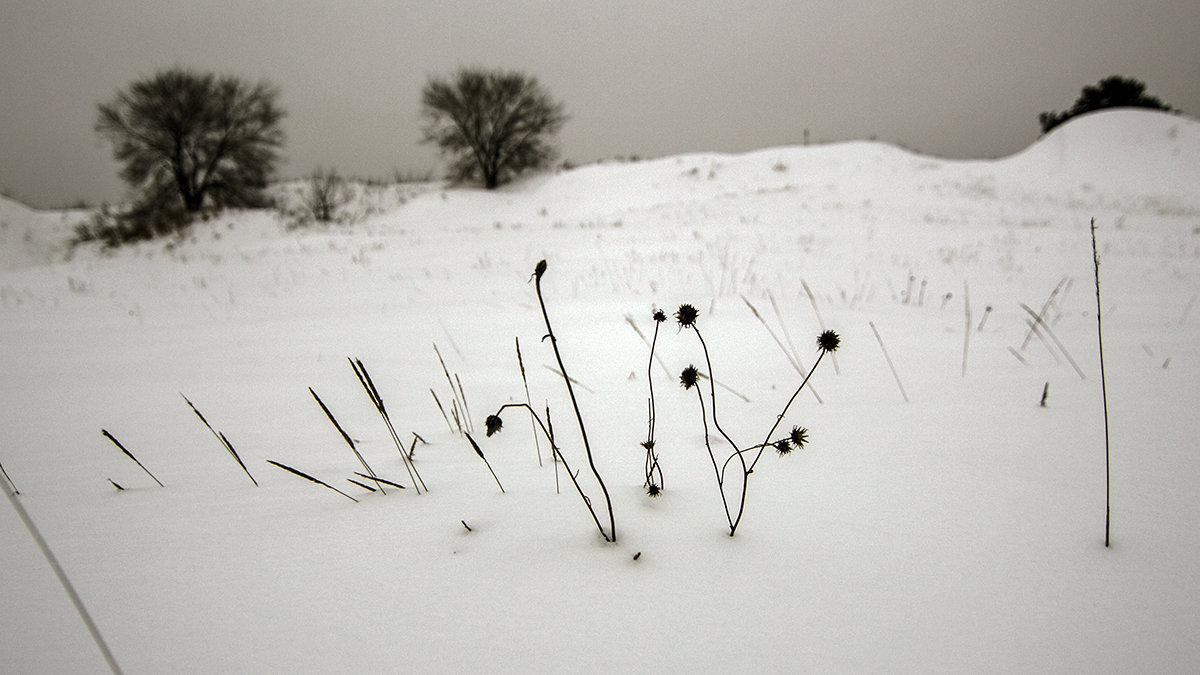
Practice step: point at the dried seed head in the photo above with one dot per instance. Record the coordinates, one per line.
(493, 423)
(660, 316)
(689, 376)
(828, 341)
(649, 445)
(540, 269)
(783, 447)
(653, 490)
(686, 315)
(799, 437)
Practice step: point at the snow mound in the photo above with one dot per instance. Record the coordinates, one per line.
(29, 238)
(1126, 149)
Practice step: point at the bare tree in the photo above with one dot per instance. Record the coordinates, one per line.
(493, 124)
(189, 139)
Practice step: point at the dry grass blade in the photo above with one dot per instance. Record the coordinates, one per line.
(221, 437)
(129, 455)
(236, 456)
(380, 480)
(537, 443)
(364, 486)
(791, 359)
(889, 360)
(1038, 320)
(11, 485)
(63, 579)
(479, 451)
(345, 436)
(812, 299)
(307, 477)
(365, 379)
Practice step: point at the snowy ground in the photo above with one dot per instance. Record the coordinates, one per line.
(962, 530)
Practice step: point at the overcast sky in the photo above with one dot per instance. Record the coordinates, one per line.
(954, 78)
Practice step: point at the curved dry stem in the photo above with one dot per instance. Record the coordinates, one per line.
(558, 453)
(720, 473)
(767, 441)
(712, 386)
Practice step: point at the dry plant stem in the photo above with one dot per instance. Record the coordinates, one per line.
(466, 408)
(651, 455)
(736, 451)
(812, 299)
(450, 381)
(63, 579)
(525, 381)
(889, 360)
(791, 359)
(1103, 392)
(558, 453)
(967, 329)
(553, 455)
(1046, 327)
(612, 525)
(1045, 308)
(720, 472)
(443, 410)
(129, 455)
(349, 441)
(767, 441)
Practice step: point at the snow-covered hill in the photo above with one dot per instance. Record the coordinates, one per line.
(939, 519)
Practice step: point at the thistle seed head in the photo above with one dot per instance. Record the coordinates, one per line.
(659, 316)
(653, 490)
(686, 315)
(689, 377)
(799, 437)
(783, 447)
(828, 341)
(493, 423)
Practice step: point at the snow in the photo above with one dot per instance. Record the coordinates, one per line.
(961, 531)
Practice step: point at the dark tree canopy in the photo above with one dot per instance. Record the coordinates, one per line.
(1111, 92)
(492, 124)
(189, 139)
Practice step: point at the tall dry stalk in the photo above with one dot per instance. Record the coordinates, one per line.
(1103, 393)
(538, 272)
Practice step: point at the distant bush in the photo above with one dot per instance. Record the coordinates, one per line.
(112, 228)
(1111, 92)
(325, 195)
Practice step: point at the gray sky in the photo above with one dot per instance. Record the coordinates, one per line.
(954, 78)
